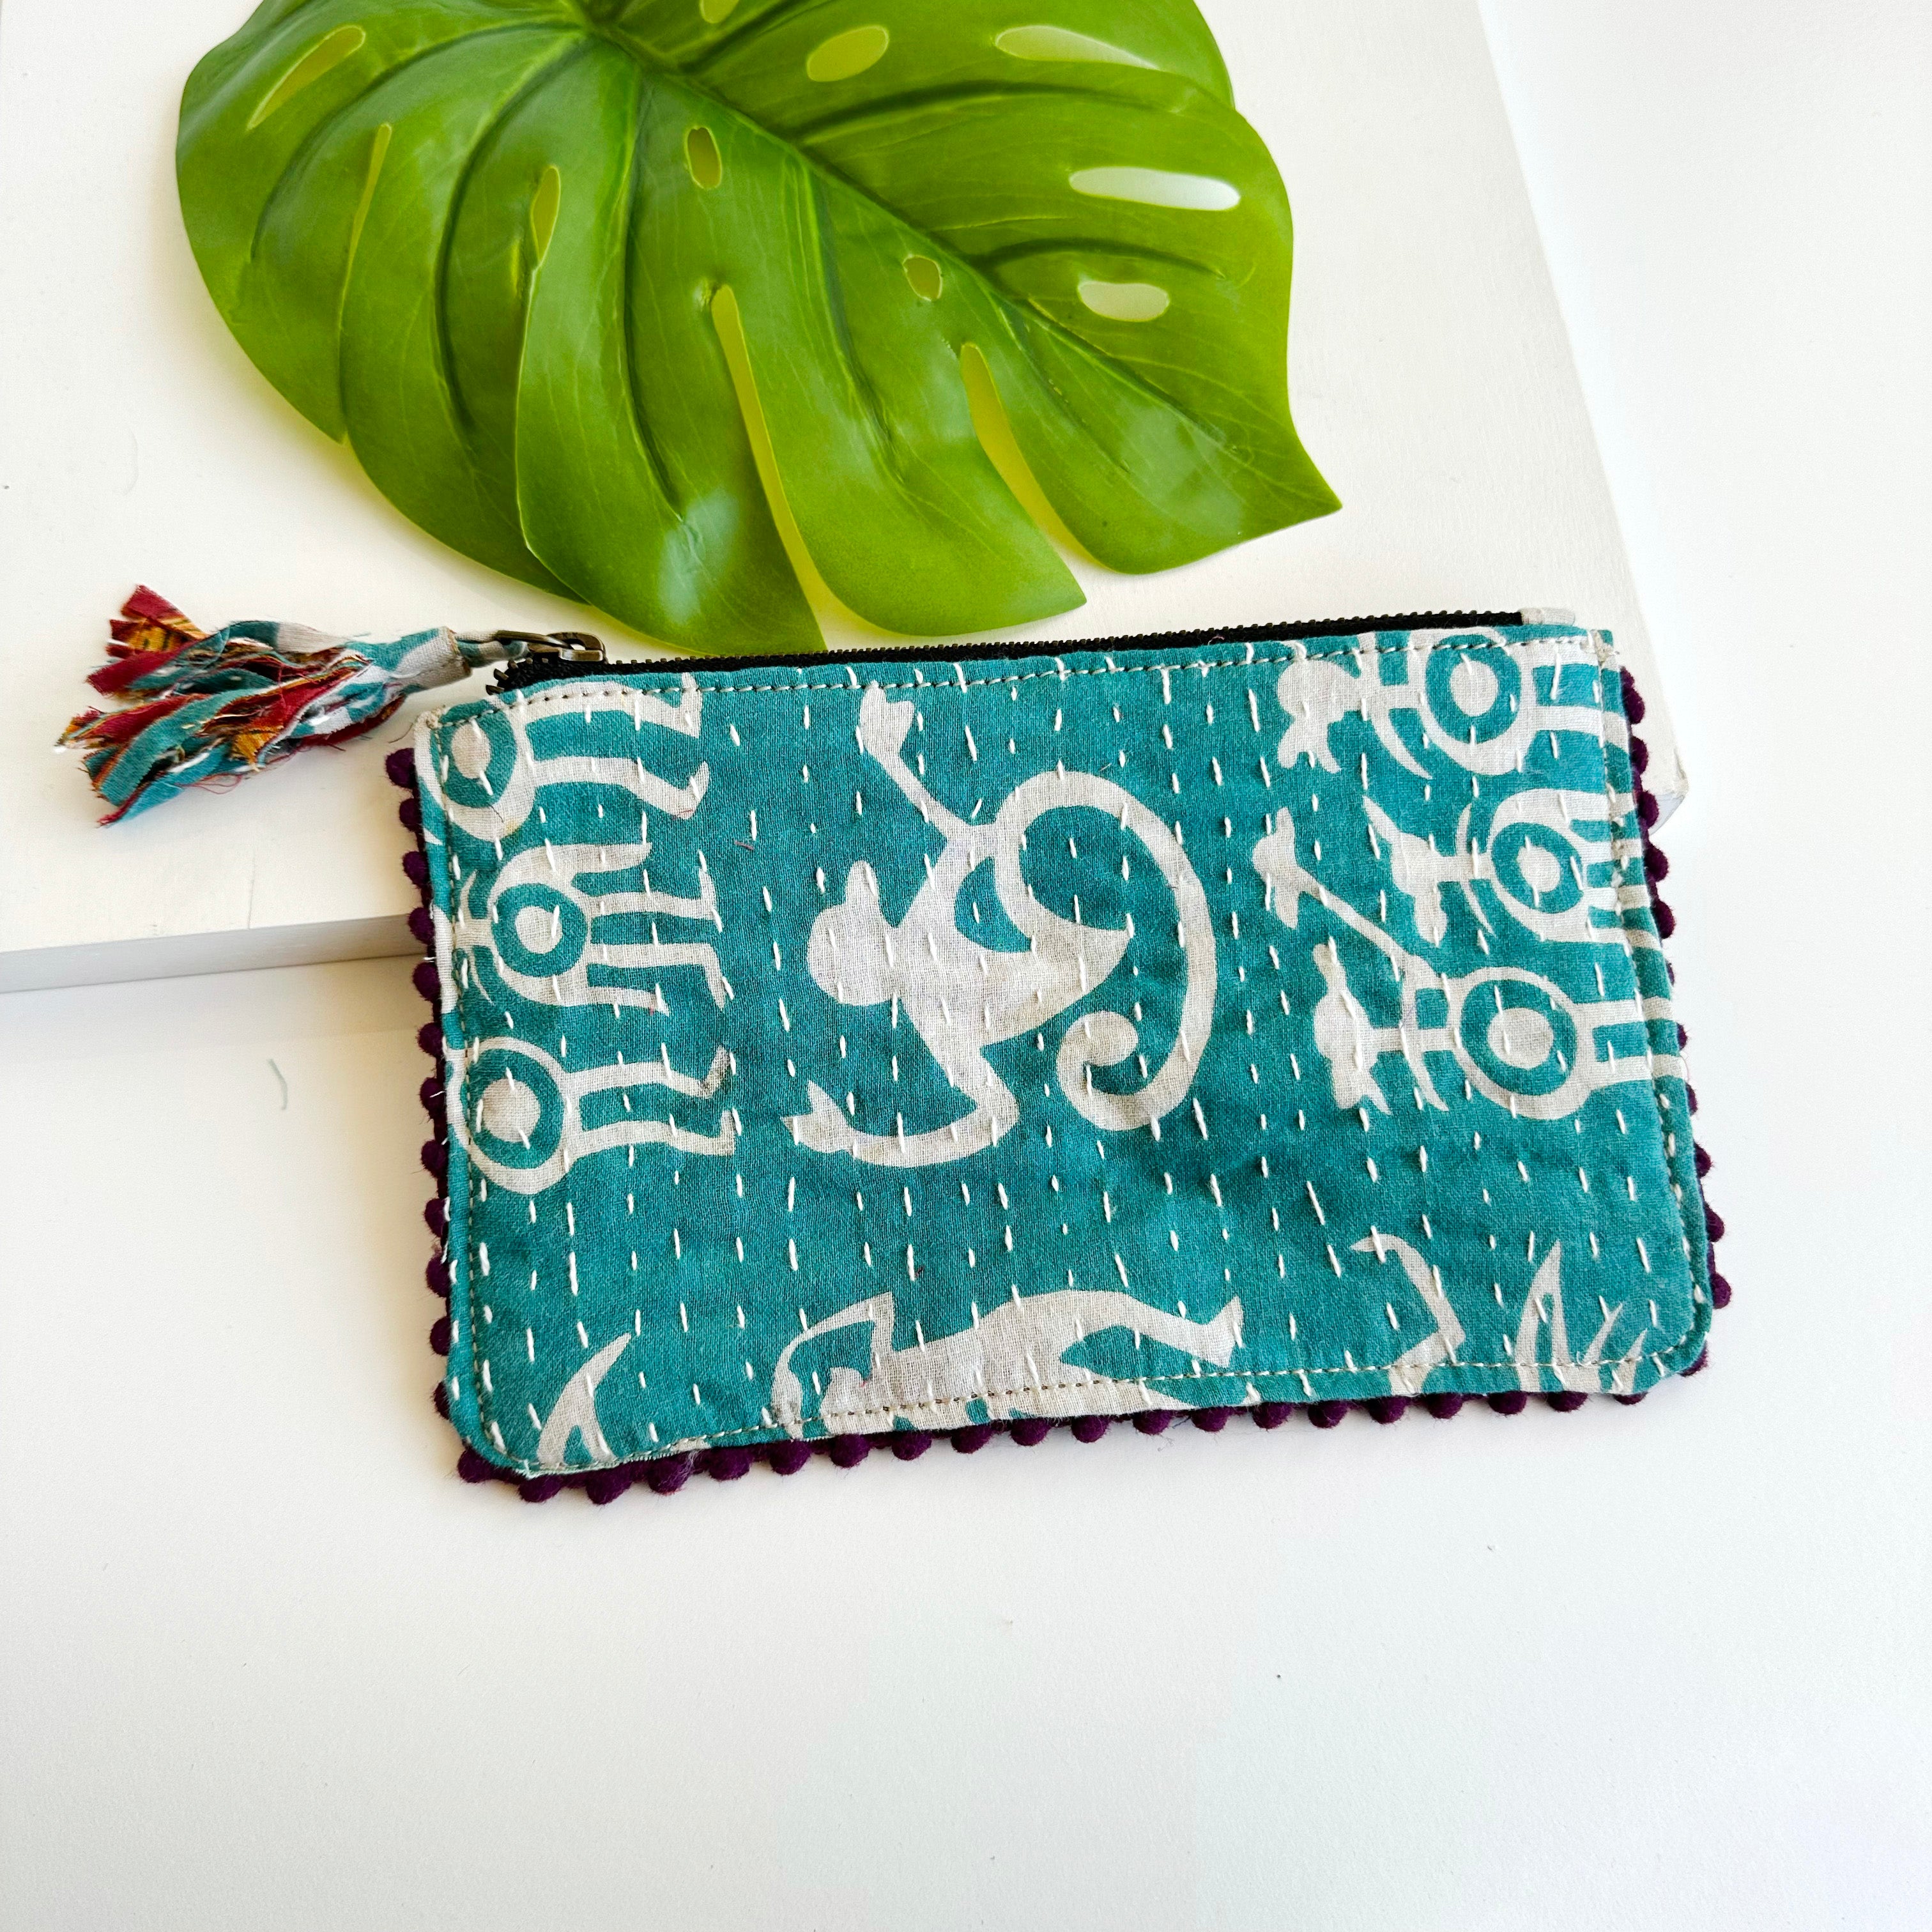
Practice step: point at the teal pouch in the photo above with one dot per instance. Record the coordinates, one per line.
(843, 1052)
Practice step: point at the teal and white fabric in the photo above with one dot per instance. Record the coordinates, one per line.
(891, 1044)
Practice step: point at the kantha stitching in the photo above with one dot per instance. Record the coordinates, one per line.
(1593, 646)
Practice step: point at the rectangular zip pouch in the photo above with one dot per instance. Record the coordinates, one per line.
(837, 1053)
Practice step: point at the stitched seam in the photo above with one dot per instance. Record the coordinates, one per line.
(1606, 660)
(1607, 663)
(436, 856)
(1592, 645)
(560, 696)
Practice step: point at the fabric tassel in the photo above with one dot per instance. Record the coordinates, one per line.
(202, 708)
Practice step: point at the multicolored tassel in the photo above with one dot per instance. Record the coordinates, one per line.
(201, 709)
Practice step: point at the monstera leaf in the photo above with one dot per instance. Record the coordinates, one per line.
(670, 304)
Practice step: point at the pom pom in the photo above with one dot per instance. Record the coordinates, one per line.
(1273, 1414)
(472, 1469)
(1213, 1420)
(1031, 1429)
(539, 1489)
(1444, 1404)
(1089, 1428)
(788, 1458)
(849, 1451)
(727, 1465)
(909, 1445)
(1508, 1402)
(1564, 1400)
(668, 1475)
(973, 1437)
(1154, 1421)
(1326, 1414)
(1387, 1408)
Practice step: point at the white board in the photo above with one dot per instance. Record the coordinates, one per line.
(1431, 381)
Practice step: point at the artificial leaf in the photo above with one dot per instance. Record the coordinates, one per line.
(666, 303)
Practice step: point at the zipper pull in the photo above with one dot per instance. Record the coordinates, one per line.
(553, 647)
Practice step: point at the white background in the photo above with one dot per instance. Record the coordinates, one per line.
(265, 1662)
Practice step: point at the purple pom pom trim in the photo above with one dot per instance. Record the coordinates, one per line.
(665, 1475)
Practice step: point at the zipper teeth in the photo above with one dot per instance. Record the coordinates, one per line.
(531, 670)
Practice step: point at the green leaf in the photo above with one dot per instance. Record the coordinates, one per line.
(666, 303)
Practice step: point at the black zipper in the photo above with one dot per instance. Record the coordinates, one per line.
(566, 654)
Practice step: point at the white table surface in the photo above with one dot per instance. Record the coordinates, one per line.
(265, 1662)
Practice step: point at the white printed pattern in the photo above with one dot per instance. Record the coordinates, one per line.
(1586, 1374)
(1518, 1037)
(1009, 1363)
(574, 1413)
(1556, 840)
(511, 795)
(569, 964)
(963, 997)
(1318, 693)
(540, 929)
(535, 1103)
(1577, 838)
